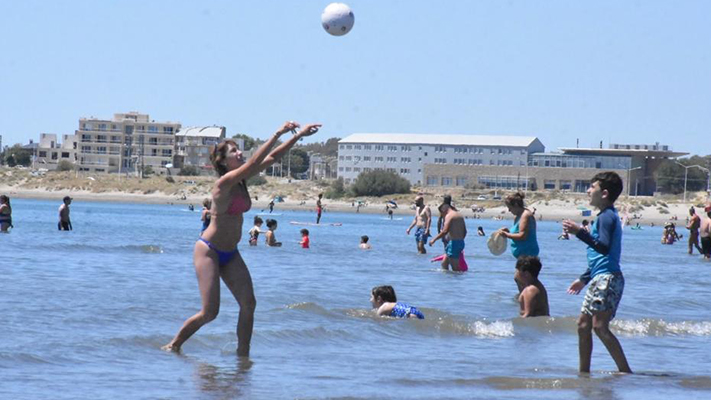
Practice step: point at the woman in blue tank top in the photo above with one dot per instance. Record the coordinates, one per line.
(523, 232)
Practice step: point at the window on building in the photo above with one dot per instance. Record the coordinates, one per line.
(357, 147)
(43, 154)
(461, 181)
(405, 159)
(65, 154)
(341, 147)
(349, 158)
(431, 181)
(101, 150)
(565, 185)
(349, 147)
(392, 148)
(340, 169)
(102, 127)
(366, 158)
(379, 147)
(367, 147)
(167, 152)
(356, 169)
(101, 138)
(378, 159)
(168, 129)
(446, 181)
(152, 128)
(405, 148)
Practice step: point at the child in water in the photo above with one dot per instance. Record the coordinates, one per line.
(255, 231)
(364, 245)
(271, 239)
(384, 300)
(304, 239)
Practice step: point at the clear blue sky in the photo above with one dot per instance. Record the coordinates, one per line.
(620, 71)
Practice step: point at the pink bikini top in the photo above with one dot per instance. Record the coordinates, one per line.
(240, 203)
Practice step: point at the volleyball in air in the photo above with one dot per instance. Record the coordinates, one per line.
(337, 19)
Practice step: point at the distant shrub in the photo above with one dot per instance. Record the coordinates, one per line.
(65, 165)
(336, 191)
(379, 183)
(663, 204)
(663, 210)
(170, 179)
(189, 170)
(256, 180)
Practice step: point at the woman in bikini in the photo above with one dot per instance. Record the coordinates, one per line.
(5, 214)
(215, 255)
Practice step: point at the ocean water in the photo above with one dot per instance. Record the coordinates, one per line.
(86, 312)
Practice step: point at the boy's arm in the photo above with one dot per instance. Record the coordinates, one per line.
(606, 227)
(444, 231)
(429, 220)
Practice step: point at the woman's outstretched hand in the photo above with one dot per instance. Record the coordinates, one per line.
(288, 127)
(309, 130)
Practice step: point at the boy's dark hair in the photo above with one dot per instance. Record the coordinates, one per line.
(611, 182)
(531, 264)
(257, 220)
(386, 293)
(271, 223)
(304, 232)
(585, 222)
(364, 239)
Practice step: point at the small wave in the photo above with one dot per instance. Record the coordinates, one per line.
(659, 327)
(98, 248)
(14, 358)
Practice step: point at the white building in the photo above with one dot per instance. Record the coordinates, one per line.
(193, 145)
(130, 140)
(407, 154)
(50, 151)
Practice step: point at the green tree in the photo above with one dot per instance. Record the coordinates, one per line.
(670, 175)
(379, 183)
(329, 148)
(336, 190)
(249, 142)
(17, 155)
(299, 161)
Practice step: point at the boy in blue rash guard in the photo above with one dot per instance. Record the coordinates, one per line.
(604, 274)
(384, 300)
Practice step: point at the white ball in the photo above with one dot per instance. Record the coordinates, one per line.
(337, 19)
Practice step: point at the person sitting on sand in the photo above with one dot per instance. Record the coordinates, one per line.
(271, 239)
(364, 245)
(533, 298)
(5, 214)
(385, 302)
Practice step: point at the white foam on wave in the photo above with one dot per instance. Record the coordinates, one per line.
(492, 329)
(658, 327)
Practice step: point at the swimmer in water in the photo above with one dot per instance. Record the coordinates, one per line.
(385, 302)
(255, 231)
(271, 239)
(364, 245)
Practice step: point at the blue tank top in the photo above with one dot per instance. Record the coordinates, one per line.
(528, 247)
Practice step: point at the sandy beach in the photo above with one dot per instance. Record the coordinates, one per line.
(301, 195)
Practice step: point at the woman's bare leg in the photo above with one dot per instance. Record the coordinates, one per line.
(207, 270)
(237, 278)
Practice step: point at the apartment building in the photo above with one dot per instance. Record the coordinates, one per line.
(407, 154)
(126, 143)
(50, 151)
(193, 145)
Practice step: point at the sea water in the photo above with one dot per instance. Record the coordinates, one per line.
(85, 314)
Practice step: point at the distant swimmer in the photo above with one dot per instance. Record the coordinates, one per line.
(423, 220)
(5, 214)
(523, 232)
(305, 241)
(586, 225)
(205, 215)
(65, 223)
(480, 231)
(271, 206)
(456, 228)
(255, 231)
(693, 227)
(215, 253)
(534, 297)
(319, 208)
(385, 302)
(364, 245)
(270, 236)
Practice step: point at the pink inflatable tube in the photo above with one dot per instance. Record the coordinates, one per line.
(462, 262)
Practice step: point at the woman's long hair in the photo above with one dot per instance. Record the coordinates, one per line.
(218, 155)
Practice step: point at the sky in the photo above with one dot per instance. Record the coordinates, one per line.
(619, 72)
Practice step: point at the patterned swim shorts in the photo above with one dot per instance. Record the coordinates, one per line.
(604, 294)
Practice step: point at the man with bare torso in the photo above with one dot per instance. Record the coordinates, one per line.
(455, 227)
(423, 220)
(705, 233)
(693, 227)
